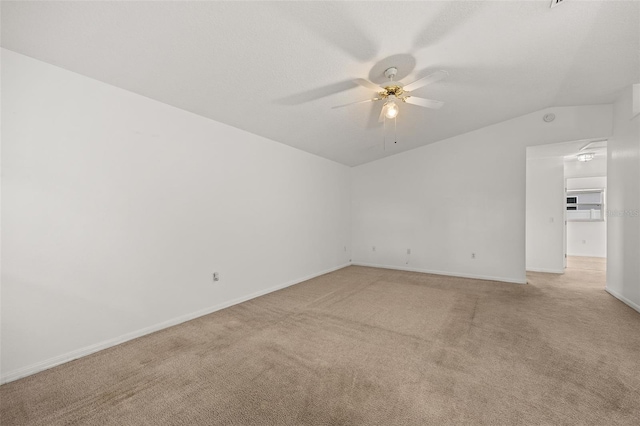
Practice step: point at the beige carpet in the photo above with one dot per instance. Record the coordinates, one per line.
(365, 346)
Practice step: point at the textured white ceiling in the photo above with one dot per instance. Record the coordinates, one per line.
(273, 68)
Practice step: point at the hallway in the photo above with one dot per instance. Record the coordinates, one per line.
(582, 274)
(587, 263)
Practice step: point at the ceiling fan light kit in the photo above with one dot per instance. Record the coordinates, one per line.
(391, 110)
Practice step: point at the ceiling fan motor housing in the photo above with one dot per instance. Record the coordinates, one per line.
(392, 91)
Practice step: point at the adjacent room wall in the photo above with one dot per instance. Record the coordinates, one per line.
(623, 209)
(545, 215)
(459, 196)
(117, 209)
(587, 238)
(593, 168)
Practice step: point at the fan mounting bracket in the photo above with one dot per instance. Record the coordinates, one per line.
(391, 72)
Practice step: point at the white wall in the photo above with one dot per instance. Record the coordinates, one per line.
(117, 209)
(459, 196)
(545, 215)
(587, 238)
(596, 167)
(623, 178)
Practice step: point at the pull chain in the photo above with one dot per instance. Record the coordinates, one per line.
(395, 129)
(384, 133)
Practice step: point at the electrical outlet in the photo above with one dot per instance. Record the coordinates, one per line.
(216, 276)
(473, 255)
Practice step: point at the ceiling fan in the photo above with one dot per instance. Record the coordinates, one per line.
(395, 91)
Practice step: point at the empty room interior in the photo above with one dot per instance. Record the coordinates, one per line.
(320, 213)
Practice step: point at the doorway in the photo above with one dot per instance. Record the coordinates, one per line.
(566, 186)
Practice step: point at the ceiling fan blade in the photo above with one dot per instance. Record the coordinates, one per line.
(382, 112)
(427, 103)
(372, 118)
(317, 93)
(369, 85)
(432, 78)
(353, 103)
(442, 22)
(344, 33)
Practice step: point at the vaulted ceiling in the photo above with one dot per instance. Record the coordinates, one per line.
(276, 68)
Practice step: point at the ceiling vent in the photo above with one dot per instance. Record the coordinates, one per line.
(554, 3)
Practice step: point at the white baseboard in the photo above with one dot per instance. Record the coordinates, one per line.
(87, 350)
(623, 299)
(546, 271)
(449, 274)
